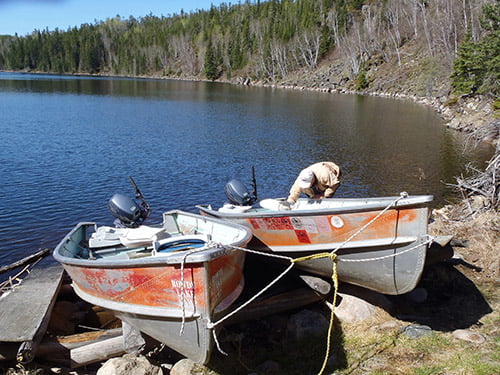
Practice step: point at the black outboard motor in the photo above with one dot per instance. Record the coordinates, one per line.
(128, 212)
(238, 194)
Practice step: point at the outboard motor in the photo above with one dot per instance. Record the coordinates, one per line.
(128, 212)
(238, 194)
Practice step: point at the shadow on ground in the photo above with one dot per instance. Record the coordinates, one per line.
(453, 300)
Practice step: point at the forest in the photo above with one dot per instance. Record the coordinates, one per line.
(269, 40)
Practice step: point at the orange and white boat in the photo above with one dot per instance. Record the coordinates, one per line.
(171, 286)
(380, 243)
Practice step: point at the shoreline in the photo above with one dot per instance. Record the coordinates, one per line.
(472, 115)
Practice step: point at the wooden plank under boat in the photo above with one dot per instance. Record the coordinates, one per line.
(381, 243)
(25, 313)
(171, 293)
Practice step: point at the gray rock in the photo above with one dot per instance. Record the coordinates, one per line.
(415, 331)
(129, 365)
(183, 367)
(353, 309)
(466, 335)
(306, 323)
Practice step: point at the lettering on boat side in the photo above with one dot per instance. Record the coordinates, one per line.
(217, 284)
(337, 222)
(187, 290)
(272, 223)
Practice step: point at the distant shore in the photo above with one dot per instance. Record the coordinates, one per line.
(469, 114)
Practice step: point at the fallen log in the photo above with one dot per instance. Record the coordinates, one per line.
(25, 260)
(82, 349)
(99, 351)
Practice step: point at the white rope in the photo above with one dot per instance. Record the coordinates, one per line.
(402, 195)
(429, 240)
(271, 255)
(214, 335)
(183, 286)
(211, 325)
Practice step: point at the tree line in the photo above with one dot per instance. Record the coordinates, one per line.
(268, 40)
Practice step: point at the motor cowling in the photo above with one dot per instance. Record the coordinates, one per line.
(238, 194)
(129, 212)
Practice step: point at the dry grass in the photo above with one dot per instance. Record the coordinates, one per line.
(480, 233)
(461, 296)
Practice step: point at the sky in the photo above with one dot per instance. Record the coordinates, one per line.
(24, 16)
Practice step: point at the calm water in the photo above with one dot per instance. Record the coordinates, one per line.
(69, 143)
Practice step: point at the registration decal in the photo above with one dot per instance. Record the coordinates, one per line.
(305, 223)
(302, 236)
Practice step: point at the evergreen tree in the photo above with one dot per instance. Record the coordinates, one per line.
(477, 66)
(468, 68)
(210, 66)
(326, 42)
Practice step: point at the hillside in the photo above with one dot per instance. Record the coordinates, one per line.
(419, 78)
(396, 48)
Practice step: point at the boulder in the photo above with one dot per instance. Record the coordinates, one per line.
(129, 365)
(183, 367)
(353, 309)
(466, 335)
(306, 323)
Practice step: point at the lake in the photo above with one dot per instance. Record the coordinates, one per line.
(70, 143)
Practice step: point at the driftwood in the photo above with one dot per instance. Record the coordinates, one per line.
(82, 349)
(317, 284)
(26, 260)
(483, 184)
(96, 352)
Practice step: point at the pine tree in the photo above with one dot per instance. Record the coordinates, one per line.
(468, 68)
(477, 66)
(210, 66)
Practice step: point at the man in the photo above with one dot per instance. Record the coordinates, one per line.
(317, 181)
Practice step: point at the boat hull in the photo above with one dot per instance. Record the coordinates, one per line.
(170, 297)
(379, 246)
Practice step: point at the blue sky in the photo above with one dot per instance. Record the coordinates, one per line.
(24, 16)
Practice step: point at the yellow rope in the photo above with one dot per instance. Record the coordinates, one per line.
(333, 257)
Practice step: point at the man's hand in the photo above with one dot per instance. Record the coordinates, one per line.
(285, 205)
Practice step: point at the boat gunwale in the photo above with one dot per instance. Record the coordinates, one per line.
(200, 256)
(374, 204)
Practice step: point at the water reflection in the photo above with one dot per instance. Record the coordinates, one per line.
(71, 142)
